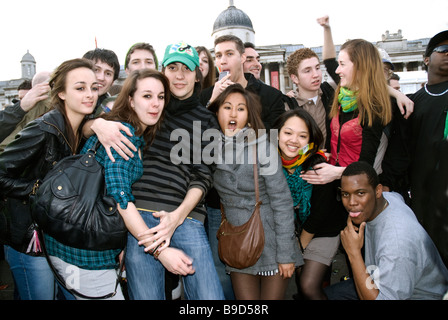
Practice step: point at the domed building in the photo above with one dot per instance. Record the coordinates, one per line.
(234, 21)
(8, 88)
(406, 55)
(28, 66)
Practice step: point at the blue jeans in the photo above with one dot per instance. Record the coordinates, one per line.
(213, 223)
(32, 275)
(146, 275)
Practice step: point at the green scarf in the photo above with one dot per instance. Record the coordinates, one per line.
(347, 99)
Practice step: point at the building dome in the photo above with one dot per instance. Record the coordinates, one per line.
(28, 58)
(232, 17)
(28, 66)
(235, 22)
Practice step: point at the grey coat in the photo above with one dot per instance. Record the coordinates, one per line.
(235, 185)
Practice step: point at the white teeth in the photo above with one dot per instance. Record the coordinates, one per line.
(232, 122)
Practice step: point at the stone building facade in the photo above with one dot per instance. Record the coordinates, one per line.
(406, 55)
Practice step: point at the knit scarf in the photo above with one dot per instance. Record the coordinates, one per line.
(300, 189)
(347, 99)
(297, 161)
(177, 107)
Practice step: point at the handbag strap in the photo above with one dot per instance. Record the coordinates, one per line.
(257, 190)
(71, 290)
(95, 147)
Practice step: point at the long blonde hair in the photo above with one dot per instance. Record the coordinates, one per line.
(370, 83)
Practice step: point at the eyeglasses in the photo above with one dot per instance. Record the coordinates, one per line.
(441, 49)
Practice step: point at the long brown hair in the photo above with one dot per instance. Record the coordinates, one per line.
(369, 82)
(123, 111)
(58, 84)
(210, 79)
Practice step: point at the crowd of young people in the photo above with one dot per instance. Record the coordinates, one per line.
(334, 159)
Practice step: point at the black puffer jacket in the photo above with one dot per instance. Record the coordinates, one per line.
(24, 161)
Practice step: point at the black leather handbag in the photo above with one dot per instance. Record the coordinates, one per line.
(71, 205)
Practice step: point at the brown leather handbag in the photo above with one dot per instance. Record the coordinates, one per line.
(241, 246)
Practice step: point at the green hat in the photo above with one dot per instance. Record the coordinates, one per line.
(181, 52)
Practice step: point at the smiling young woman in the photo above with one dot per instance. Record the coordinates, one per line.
(27, 159)
(140, 107)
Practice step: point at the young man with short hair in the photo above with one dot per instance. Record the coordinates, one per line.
(252, 63)
(303, 67)
(401, 261)
(107, 70)
(140, 56)
(230, 56)
(394, 81)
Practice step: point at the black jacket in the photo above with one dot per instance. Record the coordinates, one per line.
(9, 118)
(24, 161)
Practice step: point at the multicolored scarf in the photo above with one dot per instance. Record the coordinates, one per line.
(301, 157)
(347, 99)
(300, 189)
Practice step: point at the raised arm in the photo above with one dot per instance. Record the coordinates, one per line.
(329, 49)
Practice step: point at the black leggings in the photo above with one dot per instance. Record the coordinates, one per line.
(255, 287)
(310, 278)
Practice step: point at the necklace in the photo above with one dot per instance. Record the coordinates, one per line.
(435, 94)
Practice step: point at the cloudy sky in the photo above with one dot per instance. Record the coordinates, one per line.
(54, 31)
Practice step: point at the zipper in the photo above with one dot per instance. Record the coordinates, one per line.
(61, 133)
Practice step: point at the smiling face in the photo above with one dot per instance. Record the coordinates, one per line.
(148, 101)
(80, 94)
(141, 59)
(252, 63)
(182, 80)
(345, 69)
(359, 198)
(292, 137)
(104, 75)
(233, 114)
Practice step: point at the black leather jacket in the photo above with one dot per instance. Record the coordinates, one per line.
(24, 161)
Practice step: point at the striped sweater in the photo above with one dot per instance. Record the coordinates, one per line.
(164, 184)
